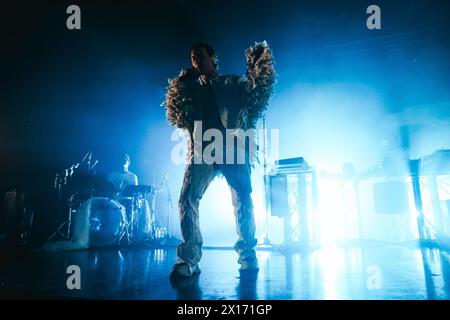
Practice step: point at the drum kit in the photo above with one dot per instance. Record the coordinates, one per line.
(126, 217)
(99, 215)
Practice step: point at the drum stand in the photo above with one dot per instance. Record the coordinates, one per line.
(168, 237)
(66, 224)
(152, 208)
(139, 201)
(134, 223)
(125, 232)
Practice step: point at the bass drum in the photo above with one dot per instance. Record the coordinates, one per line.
(107, 221)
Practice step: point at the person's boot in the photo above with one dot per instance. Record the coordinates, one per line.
(248, 262)
(185, 269)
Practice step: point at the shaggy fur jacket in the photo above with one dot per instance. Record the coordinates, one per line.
(241, 100)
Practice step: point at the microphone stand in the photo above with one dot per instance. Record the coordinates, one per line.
(266, 240)
(169, 236)
(64, 229)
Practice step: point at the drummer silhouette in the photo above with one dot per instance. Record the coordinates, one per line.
(122, 176)
(137, 206)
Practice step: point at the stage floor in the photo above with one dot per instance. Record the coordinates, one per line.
(382, 271)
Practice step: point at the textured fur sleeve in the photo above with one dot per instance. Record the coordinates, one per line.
(178, 102)
(260, 84)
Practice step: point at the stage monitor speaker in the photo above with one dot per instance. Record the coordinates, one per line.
(279, 205)
(391, 197)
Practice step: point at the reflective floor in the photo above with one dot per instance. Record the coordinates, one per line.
(375, 272)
